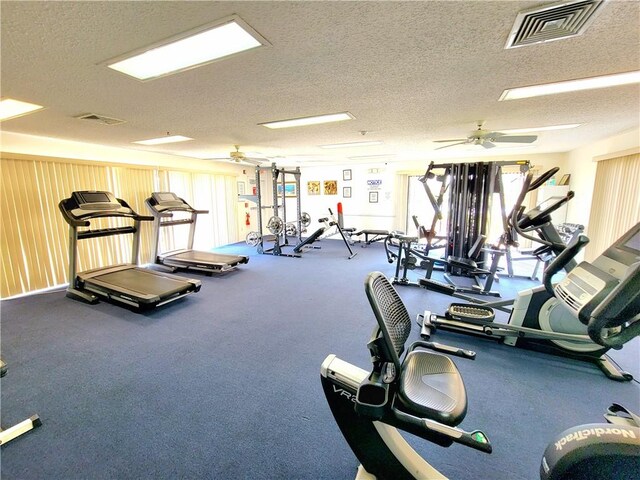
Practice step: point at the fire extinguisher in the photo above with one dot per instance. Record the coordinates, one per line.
(247, 220)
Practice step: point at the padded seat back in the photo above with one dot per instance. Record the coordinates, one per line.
(429, 383)
(391, 315)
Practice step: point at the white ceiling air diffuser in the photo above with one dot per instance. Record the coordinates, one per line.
(547, 23)
(94, 117)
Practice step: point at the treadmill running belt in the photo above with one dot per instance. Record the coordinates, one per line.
(194, 256)
(142, 282)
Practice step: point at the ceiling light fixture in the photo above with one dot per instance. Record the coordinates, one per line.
(302, 121)
(191, 49)
(11, 108)
(161, 140)
(352, 144)
(604, 81)
(542, 129)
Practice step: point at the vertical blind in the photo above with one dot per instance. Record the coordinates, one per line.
(34, 238)
(616, 202)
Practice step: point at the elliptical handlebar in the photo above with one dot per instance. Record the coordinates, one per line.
(620, 309)
(561, 261)
(538, 182)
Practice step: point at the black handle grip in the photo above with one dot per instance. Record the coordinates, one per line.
(538, 182)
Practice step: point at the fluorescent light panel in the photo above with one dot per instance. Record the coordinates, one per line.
(161, 140)
(11, 108)
(572, 85)
(352, 144)
(542, 129)
(299, 122)
(195, 50)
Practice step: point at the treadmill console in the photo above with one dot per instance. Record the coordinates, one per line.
(90, 200)
(165, 200)
(584, 287)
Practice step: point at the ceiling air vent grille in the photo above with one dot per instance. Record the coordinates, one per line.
(553, 22)
(94, 117)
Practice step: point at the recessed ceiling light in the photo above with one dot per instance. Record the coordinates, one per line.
(299, 122)
(191, 49)
(10, 108)
(542, 129)
(161, 140)
(604, 81)
(352, 144)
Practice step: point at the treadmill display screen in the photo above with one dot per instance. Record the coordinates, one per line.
(92, 201)
(95, 197)
(165, 197)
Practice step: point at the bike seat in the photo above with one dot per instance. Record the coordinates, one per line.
(431, 386)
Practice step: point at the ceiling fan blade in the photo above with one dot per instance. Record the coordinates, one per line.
(452, 145)
(255, 160)
(516, 138)
(488, 144)
(451, 140)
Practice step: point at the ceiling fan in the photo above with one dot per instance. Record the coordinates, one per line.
(240, 157)
(487, 138)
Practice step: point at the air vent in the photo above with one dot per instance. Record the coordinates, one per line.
(94, 117)
(553, 22)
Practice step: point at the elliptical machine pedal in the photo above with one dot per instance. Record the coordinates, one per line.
(476, 314)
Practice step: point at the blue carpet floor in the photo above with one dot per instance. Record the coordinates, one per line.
(225, 384)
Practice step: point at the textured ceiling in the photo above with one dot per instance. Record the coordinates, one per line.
(410, 73)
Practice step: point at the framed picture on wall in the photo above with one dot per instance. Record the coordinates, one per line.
(346, 192)
(373, 197)
(290, 189)
(313, 187)
(330, 187)
(346, 174)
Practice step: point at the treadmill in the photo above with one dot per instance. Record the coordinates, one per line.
(127, 284)
(162, 205)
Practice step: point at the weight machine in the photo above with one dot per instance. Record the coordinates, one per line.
(472, 187)
(429, 234)
(277, 225)
(471, 190)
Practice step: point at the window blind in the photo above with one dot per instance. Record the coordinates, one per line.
(616, 202)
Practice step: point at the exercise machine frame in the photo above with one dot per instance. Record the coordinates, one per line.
(162, 206)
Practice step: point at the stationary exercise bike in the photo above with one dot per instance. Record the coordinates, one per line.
(424, 394)
(538, 321)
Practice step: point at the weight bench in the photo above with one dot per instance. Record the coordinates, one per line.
(377, 235)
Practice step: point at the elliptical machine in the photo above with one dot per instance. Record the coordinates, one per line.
(538, 321)
(424, 394)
